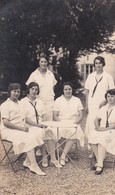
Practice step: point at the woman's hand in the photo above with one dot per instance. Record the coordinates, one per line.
(101, 129)
(42, 126)
(111, 126)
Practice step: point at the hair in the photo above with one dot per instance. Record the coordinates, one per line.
(101, 59)
(43, 56)
(67, 83)
(111, 92)
(13, 86)
(32, 84)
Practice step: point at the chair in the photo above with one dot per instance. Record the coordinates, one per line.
(73, 153)
(7, 150)
(109, 160)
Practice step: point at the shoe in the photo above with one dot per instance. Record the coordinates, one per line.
(99, 172)
(45, 163)
(89, 148)
(62, 162)
(38, 152)
(66, 159)
(26, 165)
(93, 168)
(37, 170)
(56, 164)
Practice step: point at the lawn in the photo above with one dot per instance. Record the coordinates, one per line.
(74, 179)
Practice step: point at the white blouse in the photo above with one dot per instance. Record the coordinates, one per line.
(102, 115)
(29, 111)
(46, 83)
(105, 84)
(12, 111)
(68, 110)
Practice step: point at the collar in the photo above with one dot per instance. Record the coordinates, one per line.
(38, 72)
(9, 100)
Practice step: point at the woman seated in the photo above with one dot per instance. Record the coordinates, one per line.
(35, 114)
(102, 139)
(68, 109)
(25, 139)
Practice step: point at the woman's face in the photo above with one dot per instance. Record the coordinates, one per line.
(67, 91)
(111, 99)
(43, 63)
(15, 94)
(98, 65)
(33, 91)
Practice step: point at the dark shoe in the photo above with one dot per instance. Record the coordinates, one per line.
(99, 172)
(93, 168)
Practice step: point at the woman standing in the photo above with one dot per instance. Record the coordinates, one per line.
(13, 128)
(102, 139)
(68, 108)
(96, 86)
(46, 82)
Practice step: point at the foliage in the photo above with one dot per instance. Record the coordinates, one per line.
(79, 26)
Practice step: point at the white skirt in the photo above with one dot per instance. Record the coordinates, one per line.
(24, 141)
(90, 122)
(104, 138)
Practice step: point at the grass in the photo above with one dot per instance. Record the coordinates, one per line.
(73, 179)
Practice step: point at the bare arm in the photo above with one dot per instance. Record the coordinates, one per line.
(56, 115)
(97, 125)
(79, 119)
(8, 124)
(87, 94)
(32, 123)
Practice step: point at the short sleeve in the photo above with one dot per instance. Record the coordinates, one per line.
(111, 82)
(80, 105)
(56, 105)
(54, 80)
(4, 110)
(30, 79)
(101, 112)
(41, 108)
(24, 108)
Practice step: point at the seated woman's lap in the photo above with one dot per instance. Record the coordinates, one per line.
(105, 138)
(67, 133)
(24, 141)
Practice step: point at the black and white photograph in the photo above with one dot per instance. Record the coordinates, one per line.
(57, 97)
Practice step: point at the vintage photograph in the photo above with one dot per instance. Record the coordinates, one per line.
(57, 97)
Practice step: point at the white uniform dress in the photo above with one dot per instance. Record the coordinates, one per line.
(68, 111)
(29, 111)
(46, 84)
(22, 141)
(105, 84)
(105, 138)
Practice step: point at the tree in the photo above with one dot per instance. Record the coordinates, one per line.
(79, 26)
